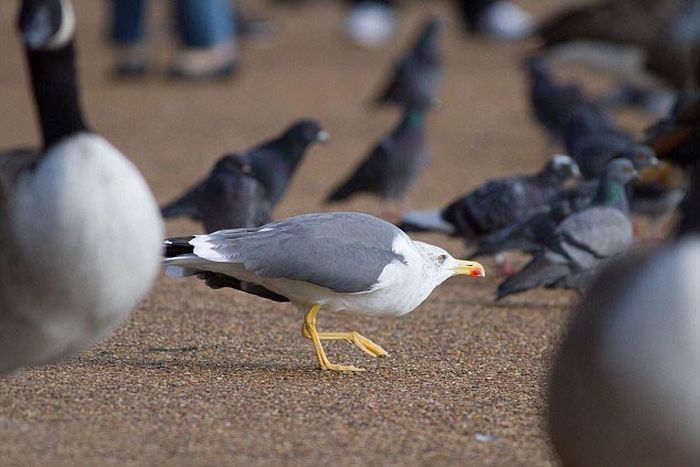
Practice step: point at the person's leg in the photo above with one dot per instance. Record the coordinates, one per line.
(127, 21)
(127, 33)
(208, 35)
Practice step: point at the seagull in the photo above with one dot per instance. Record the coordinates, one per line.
(228, 198)
(417, 74)
(336, 262)
(583, 241)
(80, 229)
(625, 387)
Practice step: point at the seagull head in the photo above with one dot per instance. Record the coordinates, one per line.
(441, 265)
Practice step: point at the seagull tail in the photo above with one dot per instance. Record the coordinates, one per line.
(429, 220)
(538, 272)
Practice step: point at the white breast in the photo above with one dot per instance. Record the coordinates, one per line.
(86, 245)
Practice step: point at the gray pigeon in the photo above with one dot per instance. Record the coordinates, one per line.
(593, 150)
(273, 162)
(582, 241)
(553, 103)
(393, 165)
(228, 198)
(416, 75)
(496, 203)
(625, 386)
(529, 234)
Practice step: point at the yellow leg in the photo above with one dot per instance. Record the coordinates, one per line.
(360, 341)
(309, 329)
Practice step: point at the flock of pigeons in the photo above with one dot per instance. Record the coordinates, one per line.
(625, 389)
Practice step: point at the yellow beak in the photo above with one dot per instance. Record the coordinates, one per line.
(469, 268)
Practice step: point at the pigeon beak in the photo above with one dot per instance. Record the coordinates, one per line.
(469, 268)
(323, 137)
(575, 172)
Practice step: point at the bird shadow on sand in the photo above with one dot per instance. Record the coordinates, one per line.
(199, 364)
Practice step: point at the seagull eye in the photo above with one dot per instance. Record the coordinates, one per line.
(441, 259)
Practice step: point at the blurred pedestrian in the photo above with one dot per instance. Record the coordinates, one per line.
(207, 34)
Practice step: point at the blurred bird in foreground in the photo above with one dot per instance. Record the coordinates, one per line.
(335, 262)
(625, 385)
(79, 226)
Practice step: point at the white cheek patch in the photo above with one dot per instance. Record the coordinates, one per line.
(67, 29)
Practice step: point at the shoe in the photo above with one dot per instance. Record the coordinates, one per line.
(131, 61)
(503, 20)
(215, 63)
(370, 24)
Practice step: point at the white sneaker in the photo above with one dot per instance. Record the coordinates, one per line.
(505, 21)
(370, 24)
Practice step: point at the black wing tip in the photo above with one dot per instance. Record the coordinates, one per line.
(177, 246)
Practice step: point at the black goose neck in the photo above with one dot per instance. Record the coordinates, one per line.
(54, 83)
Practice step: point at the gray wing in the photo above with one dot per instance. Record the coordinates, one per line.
(593, 235)
(344, 252)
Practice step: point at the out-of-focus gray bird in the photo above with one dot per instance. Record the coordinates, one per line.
(553, 103)
(79, 227)
(582, 241)
(496, 203)
(592, 150)
(417, 75)
(228, 198)
(392, 166)
(625, 385)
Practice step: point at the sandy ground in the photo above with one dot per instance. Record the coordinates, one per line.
(197, 377)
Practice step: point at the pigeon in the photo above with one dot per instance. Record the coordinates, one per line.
(337, 262)
(582, 241)
(677, 138)
(392, 166)
(417, 75)
(593, 149)
(273, 162)
(79, 227)
(228, 198)
(530, 234)
(553, 103)
(625, 387)
(496, 203)
(656, 193)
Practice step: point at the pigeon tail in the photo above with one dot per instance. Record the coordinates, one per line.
(182, 206)
(429, 220)
(540, 271)
(344, 191)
